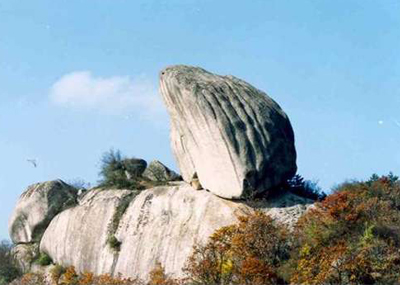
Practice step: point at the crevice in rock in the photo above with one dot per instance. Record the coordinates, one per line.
(118, 214)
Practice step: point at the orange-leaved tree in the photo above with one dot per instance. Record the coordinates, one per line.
(250, 252)
(352, 237)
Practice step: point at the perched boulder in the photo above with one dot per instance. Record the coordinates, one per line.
(36, 207)
(235, 138)
(158, 225)
(158, 172)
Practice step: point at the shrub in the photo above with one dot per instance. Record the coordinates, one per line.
(114, 243)
(158, 277)
(56, 272)
(113, 171)
(44, 259)
(31, 279)
(71, 277)
(119, 212)
(8, 270)
(251, 252)
(305, 188)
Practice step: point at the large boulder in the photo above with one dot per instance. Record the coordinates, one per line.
(36, 207)
(158, 225)
(230, 135)
(158, 172)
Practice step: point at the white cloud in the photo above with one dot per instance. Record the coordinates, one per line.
(114, 95)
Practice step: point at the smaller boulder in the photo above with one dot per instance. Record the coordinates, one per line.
(134, 167)
(195, 183)
(36, 207)
(24, 255)
(156, 171)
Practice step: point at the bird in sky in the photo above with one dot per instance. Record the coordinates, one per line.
(33, 161)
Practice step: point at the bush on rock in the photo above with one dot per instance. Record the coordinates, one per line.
(119, 172)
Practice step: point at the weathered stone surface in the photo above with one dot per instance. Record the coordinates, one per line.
(36, 207)
(160, 225)
(285, 208)
(232, 135)
(78, 236)
(156, 171)
(24, 255)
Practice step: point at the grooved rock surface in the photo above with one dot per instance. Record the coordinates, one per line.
(36, 207)
(78, 236)
(160, 225)
(235, 138)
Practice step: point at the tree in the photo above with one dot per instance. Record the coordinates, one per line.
(8, 270)
(352, 237)
(251, 252)
(305, 188)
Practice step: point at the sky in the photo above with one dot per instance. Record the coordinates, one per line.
(80, 77)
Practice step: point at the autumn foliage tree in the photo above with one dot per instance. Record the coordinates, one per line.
(251, 252)
(352, 237)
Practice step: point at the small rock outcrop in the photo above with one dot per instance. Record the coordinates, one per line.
(158, 172)
(36, 207)
(134, 167)
(24, 255)
(229, 134)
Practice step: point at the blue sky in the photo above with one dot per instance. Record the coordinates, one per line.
(80, 77)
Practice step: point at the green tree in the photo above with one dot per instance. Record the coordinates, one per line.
(120, 172)
(8, 270)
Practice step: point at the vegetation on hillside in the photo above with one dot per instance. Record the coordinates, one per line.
(351, 237)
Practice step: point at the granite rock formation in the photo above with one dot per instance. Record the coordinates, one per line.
(36, 207)
(232, 136)
(157, 225)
